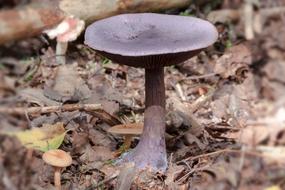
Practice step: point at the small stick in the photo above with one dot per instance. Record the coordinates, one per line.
(203, 99)
(271, 12)
(94, 109)
(180, 92)
(251, 153)
(248, 20)
(208, 75)
(191, 172)
(50, 109)
(257, 23)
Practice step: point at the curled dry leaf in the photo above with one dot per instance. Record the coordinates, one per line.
(232, 63)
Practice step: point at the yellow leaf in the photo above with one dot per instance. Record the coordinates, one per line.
(275, 187)
(45, 138)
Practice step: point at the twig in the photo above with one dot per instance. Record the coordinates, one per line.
(180, 92)
(257, 23)
(224, 151)
(50, 109)
(203, 99)
(191, 172)
(200, 76)
(248, 20)
(271, 12)
(93, 109)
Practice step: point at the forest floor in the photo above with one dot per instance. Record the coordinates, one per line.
(225, 110)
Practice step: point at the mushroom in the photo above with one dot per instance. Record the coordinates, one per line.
(59, 159)
(67, 31)
(128, 131)
(151, 41)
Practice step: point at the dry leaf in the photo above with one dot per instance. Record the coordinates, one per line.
(108, 102)
(251, 135)
(273, 154)
(45, 138)
(67, 86)
(275, 187)
(36, 96)
(232, 63)
(172, 173)
(96, 154)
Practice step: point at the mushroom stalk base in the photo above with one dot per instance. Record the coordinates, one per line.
(150, 153)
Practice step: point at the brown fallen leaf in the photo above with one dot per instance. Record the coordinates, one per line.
(225, 171)
(272, 154)
(232, 101)
(251, 135)
(67, 86)
(110, 102)
(36, 96)
(184, 111)
(232, 63)
(79, 141)
(96, 154)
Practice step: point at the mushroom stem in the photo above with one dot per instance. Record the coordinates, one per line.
(57, 174)
(127, 141)
(151, 152)
(154, 87)
(61, 48)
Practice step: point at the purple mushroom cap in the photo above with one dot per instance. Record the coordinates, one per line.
(149, 39)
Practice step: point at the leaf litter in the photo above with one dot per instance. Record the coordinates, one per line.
(225, 116)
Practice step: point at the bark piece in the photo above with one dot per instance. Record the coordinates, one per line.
(32, 19)
(28, 21)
